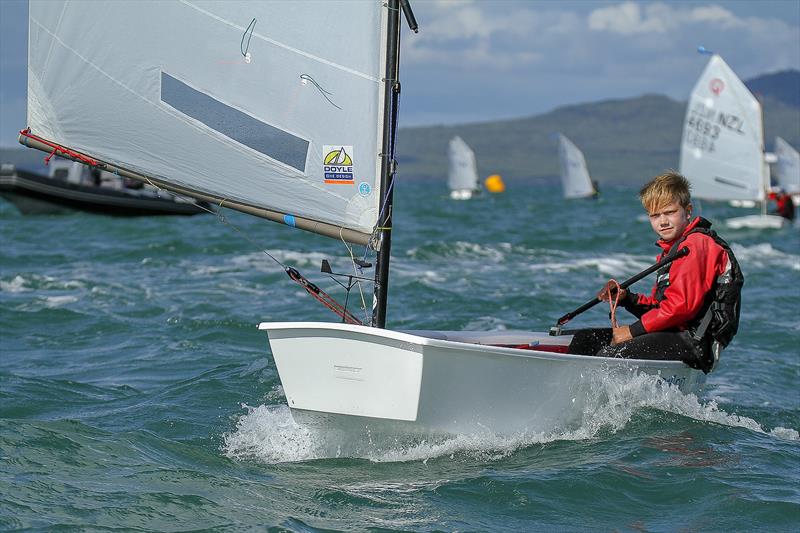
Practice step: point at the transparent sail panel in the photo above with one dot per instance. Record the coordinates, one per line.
(275, 143)
(262, 103)
(574, 175)
(722, 150)
(788, 166)
(462, 171)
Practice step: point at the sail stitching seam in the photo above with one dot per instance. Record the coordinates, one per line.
(281, 45)
(58, 24)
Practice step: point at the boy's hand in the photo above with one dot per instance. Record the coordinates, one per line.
(602, 295)
(621, 334)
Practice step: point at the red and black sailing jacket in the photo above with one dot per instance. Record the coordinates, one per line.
(682, 290)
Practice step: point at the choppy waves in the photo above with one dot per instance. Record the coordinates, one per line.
(269, 434)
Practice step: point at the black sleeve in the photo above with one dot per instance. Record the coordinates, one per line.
(630, 303)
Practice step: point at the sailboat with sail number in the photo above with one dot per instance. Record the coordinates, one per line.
(722, 148)
(283, 119)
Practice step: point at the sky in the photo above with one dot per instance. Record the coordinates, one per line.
(479, 60)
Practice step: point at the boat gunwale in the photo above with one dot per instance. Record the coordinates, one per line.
(489, 349)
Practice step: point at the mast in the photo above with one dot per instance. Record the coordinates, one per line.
(391, 91)
(765, 176)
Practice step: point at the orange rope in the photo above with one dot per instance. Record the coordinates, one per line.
(614, 291)
(58, 149)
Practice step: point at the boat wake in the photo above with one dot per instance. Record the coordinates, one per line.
(269, 434)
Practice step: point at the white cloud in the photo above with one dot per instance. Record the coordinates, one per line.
(495, 36)
(716, 14)
(625, 18)
(629, 18)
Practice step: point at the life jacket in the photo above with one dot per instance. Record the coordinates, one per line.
(717, 322)
(785, 206)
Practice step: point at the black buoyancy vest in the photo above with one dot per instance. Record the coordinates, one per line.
(719, 316)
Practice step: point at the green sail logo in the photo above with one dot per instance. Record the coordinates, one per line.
(339, 157)
(338, 164)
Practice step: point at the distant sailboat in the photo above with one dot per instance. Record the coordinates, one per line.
(575, 178)
(787, 168)
(462, 174)
(318, 156)
(722, 149)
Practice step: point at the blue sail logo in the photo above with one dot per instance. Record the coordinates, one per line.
(338, 164)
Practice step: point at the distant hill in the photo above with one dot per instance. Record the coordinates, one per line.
(783, 86)
(626, 140)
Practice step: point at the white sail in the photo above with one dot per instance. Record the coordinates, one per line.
(236, 100)
(722, 151)
(788, 167)
(574, 175)
(462, 172)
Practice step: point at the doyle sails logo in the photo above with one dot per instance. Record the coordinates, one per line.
(716, 86)
(338, 164)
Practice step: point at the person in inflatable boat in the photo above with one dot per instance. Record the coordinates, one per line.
(693, 310)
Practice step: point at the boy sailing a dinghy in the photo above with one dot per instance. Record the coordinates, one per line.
(693, 311)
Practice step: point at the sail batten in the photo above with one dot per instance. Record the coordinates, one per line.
(722, 147)
(164, 89)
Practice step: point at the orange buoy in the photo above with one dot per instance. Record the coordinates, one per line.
(494, 183)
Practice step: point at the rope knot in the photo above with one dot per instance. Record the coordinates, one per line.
(613, 289)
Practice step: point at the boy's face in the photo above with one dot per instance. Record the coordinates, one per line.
(670, 220)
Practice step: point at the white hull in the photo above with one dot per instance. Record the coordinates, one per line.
(756, 222)
(742, 203)
(461, 194)
(440, 382)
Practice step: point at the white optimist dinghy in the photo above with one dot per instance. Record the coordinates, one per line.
(575, 179)
(264, 108)
(462, 170)
(442, 382)
(788, 168)
(722, 150)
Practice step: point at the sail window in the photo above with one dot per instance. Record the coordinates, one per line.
(241, 127)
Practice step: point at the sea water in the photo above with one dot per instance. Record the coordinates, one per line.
(136, 392)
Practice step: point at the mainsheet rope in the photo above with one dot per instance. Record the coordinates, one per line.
(613, 290)
(312, 289)
(357, 272)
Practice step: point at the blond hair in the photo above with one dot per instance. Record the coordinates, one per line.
(662, 190)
